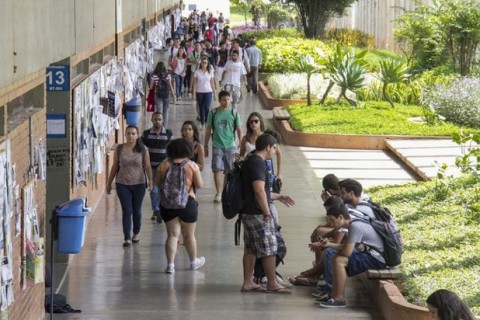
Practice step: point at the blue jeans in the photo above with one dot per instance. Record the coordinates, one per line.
(161, 105)
(178, 84)
(204, 100)
(327, 273)
(131, 198)
(155, 193)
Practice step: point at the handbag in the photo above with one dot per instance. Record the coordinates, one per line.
(277, 185)
(151, 101)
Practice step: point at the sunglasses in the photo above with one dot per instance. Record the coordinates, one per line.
(254, 121)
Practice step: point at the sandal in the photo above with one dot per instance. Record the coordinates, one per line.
(299, 281)
(279, 290)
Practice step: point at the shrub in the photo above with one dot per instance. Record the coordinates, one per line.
(458, 102)
(281, 54)
(350, 37)
(252, 33)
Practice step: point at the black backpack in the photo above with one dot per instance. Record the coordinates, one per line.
(232, 195)
(60, 304)
(163, 89)
(385, 226)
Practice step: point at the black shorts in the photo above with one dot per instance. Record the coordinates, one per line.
(189, 214)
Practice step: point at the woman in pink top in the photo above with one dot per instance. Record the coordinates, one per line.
(132, 173)
(183, 218)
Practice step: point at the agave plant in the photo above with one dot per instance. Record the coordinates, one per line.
(306, 64)
(392, 72)
(338, 67)
(349, 74)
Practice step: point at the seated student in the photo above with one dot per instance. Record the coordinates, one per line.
(311, 276)
(351, 192)
(342, 260)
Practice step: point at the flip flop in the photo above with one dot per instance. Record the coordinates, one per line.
(299, 281)
(253, 289)
(280, 290)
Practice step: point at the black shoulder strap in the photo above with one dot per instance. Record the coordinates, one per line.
(213, 111)
(169, 134)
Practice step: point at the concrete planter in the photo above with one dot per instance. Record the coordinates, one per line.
(270, 102)
(340, 141)
(391, 302)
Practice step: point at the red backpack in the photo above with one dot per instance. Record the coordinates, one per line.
(209, 34)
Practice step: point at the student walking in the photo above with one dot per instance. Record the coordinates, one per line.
(222, 124)
(232, 77)
(156, 139)
(204, 89)
(177, 179)
(132, 172)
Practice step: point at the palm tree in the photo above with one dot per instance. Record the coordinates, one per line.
(392, 72)
(307, 64)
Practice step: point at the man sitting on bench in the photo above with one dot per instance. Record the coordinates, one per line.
(342, 260)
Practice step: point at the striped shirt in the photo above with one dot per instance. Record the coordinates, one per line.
(157, 144)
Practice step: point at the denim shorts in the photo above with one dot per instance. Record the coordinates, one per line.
(361, 261)
(223, 159)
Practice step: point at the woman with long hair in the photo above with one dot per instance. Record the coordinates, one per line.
(162, 104)
(179, 217)
(180, 71)
(255, 127)
(446, 305)
(132, 172)
(190, 133)
(204, 89)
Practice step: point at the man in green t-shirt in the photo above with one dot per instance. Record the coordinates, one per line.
(222, 124)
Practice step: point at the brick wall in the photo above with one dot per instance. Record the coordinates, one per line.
(29, 303)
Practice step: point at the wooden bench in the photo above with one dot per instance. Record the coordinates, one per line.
(392, 273)
(280, 114)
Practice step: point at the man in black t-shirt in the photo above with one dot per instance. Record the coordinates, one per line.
(259, 226)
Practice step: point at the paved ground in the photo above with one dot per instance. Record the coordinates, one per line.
(109, 282)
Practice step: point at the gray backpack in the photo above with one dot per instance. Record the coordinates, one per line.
(174, 192)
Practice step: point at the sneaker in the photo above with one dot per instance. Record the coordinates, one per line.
(197, 263)
(170, 269)
(332, 303)
(322, 297)
(218, 198)
(154, 217)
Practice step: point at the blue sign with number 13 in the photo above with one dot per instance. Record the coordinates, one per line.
(58, 78)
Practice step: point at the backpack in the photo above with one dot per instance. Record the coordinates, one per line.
(60, 304)
(163, 89)
(209, 34)
(174, 192)
(232, 196)
(385, 226)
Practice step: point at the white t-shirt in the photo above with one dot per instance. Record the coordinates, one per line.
(234, 72)
(180, 66)
(202, 79)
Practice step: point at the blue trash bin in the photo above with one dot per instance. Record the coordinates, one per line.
(132, 111)
(72, 224)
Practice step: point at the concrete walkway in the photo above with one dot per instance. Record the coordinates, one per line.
(109, 282)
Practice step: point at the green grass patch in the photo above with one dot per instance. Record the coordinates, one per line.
(440, 224)
(371, 117)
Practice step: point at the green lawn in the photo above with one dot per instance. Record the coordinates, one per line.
(440, 224)
(375, 118)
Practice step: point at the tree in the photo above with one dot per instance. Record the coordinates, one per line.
(307, 64)
(392, 72)
(315, 14)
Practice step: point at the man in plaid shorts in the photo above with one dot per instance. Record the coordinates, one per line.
(259, 226)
